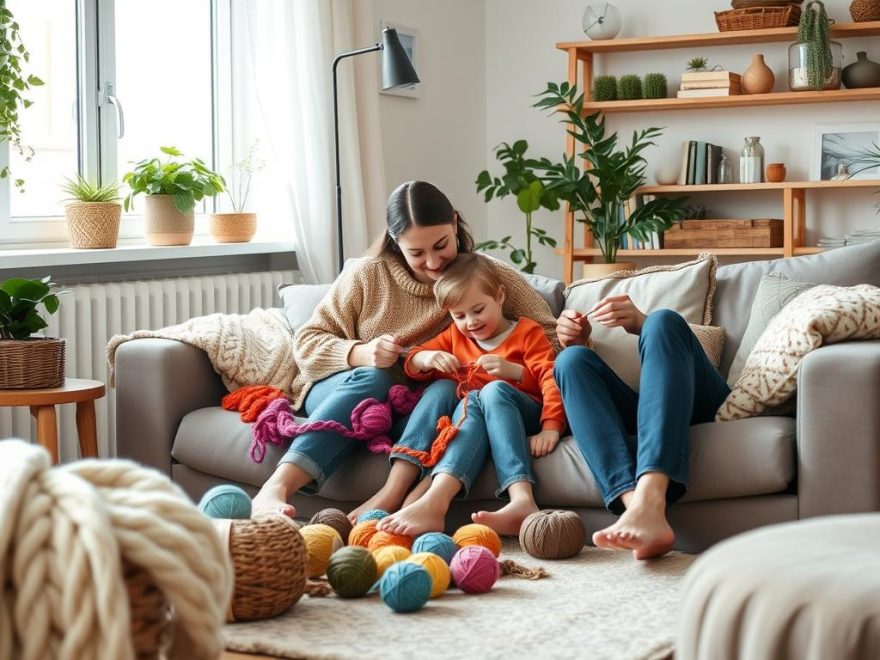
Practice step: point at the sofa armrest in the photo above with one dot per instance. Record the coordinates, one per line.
(838, 429)
(158, 381)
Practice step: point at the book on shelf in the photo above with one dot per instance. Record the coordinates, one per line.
(683, 169)
(712, 91)
(700, 164)
(693, 76)
(713, 160)
(692, 162)
(711, 84)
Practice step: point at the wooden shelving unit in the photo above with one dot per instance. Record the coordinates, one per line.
(580, 65)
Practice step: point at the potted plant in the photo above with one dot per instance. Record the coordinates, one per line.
(598, 187)
(697, 64)
(172, 190)
(93, 213)
(814, 60)
(238, 226)
(28, 362)
(520, 180)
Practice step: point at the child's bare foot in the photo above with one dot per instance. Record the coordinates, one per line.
(508, 519)
(387, 499)
(420, 489)
(644, 530)
(426, 514)
(271, 500)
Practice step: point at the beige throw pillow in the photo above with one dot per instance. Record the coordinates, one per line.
(686, 288)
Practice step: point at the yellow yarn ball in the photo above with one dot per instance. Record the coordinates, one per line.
(321, 542)
(437, 568)
(387, 555)
(362, 533)
(383, 539)
(476, 534)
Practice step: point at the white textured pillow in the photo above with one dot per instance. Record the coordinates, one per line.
(686, 288)
(300, 300)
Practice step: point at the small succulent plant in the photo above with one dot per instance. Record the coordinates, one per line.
(605, 88)
(697, 63)
(629, 88)
(654, 86)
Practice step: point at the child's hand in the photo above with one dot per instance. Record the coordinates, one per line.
(499, 367)
(544, 442)
(572, 328)
(439, 360)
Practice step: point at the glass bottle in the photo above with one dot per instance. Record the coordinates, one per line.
(751, 161)
(725, 170)
(798, 61)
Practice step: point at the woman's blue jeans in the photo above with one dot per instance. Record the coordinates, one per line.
(320, 453)
(678, 387)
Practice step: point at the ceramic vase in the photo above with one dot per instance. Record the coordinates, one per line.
(758, 78)
(861, 73)
(775, 172)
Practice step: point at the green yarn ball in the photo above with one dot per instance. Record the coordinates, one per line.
(654, 86)
(605, 88)
(629, 88)
(226, 501)
(351, 571)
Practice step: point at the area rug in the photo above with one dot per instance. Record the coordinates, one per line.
(600, 604)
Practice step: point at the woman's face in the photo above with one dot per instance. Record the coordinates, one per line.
(428, 250)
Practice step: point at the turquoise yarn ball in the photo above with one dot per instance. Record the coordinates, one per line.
(226, 501)
(436, 542)
(372, 514)
(405, 587)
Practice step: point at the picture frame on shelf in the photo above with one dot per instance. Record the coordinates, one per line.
(409, 39)
(840, 144)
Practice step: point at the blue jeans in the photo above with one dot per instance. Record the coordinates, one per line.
(678, 387)
(320, 453)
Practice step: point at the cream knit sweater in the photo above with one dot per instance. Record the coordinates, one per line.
(379, 296)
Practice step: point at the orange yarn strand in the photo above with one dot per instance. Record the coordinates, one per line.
(251, 400)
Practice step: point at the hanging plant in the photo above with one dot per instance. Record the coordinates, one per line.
(14, 85)
(814, 30)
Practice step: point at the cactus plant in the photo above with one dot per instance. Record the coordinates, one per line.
(654, 86)
(629, 88)
(605, 88)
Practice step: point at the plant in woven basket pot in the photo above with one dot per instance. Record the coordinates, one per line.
(238, 225)
(172, 190)
(93, 213)
(814, 60)
(28, 362)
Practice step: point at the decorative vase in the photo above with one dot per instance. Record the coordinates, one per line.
(233, 227)
(863, 11)
(666, 174)
(798, 76)
(758, 78)
(164, 224)
(601, 20)
(597, 270)
(776, 172)
(861, 73)
(751, 161)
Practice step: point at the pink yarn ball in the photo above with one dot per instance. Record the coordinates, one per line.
(474, 569)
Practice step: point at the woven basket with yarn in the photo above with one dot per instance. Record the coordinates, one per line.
(863, 11)
(93, 224)
(33, 363)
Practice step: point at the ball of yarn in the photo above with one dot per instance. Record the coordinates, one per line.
(437, 568)
(351, 571)
(321, 542)
(226, 501)
(476, 534)
(553, 534)
(382, 539)
(405, 587)
(474, 569)
(387, 555)
(437, 542)
(335, 519)
(362, 533)
(372, 514)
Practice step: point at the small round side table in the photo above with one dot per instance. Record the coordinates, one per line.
(42, 403)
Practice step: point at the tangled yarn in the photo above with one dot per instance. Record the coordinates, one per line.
(64, 535)
(371, 421)
(250, 401)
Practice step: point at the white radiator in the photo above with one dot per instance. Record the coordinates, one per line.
(92, 313)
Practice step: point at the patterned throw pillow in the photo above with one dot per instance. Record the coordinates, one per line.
(821, 315)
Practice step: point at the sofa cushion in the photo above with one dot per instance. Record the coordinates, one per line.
(300, 300)
(551, 290)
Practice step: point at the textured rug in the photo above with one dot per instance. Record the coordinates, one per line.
(600, 604)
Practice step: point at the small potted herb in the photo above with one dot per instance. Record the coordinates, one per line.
(697, 64)
(238, 226)
(93, 213)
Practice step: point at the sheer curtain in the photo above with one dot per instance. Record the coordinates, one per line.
(284, 91)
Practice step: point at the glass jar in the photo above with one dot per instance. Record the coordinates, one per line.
(751, 161)
(798, 75)
(725, 170)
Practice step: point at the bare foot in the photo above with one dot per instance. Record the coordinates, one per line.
(387, 499)
(271, 500)
(508, 519)
(426, 514)
(643, 530)
(420, 489)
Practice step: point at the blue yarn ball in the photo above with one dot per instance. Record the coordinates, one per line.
(226, 501)
(372, 514)
(405, 587)
(436, 542)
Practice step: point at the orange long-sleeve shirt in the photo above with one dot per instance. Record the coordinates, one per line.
(527, 345)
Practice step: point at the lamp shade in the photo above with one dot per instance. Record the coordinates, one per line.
(397, 70)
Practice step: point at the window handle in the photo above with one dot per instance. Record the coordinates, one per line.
(117, 105)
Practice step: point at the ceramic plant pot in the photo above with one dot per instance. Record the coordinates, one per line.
(164, 224)
(233, 227)
(775, 172)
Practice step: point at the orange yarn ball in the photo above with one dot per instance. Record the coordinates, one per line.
(476, 534)
(362, 533)
(383, 539)
(390, 554)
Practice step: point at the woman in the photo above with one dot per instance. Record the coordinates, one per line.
(350, 348)
(678, 387)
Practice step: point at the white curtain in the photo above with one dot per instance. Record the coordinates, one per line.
(285, 97)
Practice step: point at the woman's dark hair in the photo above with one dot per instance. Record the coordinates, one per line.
(419, 204)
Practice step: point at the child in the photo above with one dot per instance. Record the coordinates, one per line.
(513, 401)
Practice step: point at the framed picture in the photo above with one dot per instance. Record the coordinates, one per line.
(836, 146)
(409, 39)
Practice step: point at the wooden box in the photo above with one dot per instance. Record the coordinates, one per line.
(724, 234)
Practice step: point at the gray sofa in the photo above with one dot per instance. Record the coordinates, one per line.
(743, 474)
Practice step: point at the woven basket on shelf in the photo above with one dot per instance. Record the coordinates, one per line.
(31, 364)
(743, 4)
(863, 11)
(757, 18)
(93, 224)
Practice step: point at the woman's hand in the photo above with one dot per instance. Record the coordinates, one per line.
(618, 312)
(439, 360)
(572, 328)
(544, 442)
(381, 352)
(500, 368)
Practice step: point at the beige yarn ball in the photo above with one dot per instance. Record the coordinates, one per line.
(552, 534)
(335, 519)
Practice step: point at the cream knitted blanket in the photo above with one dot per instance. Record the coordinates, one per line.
(245, 349)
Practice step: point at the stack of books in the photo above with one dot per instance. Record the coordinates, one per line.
(699, 163)
(709, 83)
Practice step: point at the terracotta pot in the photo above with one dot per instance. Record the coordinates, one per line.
(233, 227)
(758, 78)
(164, 224)
(776, 172)
(593, 271)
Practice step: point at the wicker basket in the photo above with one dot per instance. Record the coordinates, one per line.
(93, 224)
(150, 612)
(757, 18)
(743, 4)
(31, 364)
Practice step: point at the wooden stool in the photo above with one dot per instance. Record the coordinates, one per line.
(42, 404)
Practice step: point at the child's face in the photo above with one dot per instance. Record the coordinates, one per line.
(479, 315)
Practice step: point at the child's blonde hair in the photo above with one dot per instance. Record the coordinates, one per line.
(467, 268)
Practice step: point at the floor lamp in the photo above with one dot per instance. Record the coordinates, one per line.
(397, 71)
